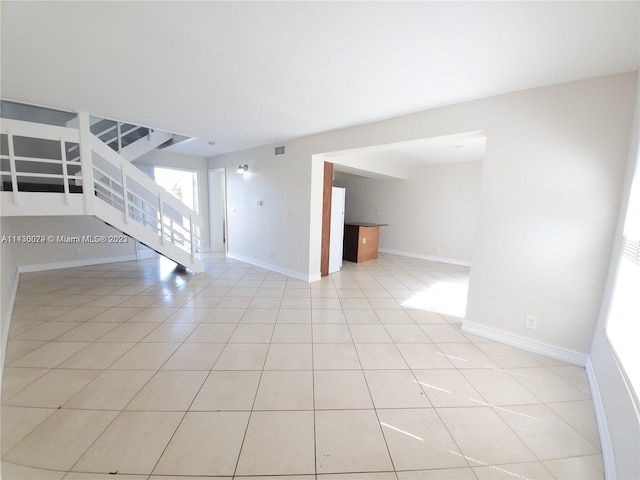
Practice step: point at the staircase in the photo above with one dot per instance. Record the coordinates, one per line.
(71, 170)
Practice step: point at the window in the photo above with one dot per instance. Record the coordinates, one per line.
(182, 184)
(623, 321)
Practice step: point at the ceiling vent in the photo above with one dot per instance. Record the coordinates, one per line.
(280, 150)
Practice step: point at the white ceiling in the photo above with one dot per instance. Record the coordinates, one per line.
(244, 74)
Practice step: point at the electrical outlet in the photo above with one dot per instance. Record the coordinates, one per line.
(531, 322)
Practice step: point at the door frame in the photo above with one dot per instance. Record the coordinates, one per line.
(212, 192)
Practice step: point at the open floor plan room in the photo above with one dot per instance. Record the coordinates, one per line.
(135, 370)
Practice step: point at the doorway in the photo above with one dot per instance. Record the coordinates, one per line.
(217, 210)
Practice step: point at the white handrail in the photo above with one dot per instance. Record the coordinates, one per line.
(112, 187)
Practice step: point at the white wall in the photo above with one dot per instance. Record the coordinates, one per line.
(431, 214)
(276, 234)
(162, 158)
(620, 430)
(552, 177)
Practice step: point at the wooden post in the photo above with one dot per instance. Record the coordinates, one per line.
(326, 218)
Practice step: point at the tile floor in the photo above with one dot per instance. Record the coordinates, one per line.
(132, 370)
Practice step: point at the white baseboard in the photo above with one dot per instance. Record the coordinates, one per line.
(601, 420)
(41, 267)
(274, 268)
(421, 256)
(528, 344)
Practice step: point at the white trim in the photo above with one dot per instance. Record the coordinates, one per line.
(274, 268)
(40, 267)
(606, 446)
(7, 323)
(535, 346)
(453, 261)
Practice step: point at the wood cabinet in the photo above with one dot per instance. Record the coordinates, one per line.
(361, 241)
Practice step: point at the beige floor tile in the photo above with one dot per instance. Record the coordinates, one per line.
(294, 315)
(466, 355)
(331, 333)
(418, 439)
(59, 441)
(227, 390)
(172, 301)
(206, 443)
(212, 333)
(328, 316)
(278, 443)
(169, 391)
(581, 416)
(252, 333)
(18, 422)
(145, 356)
(11, 471)
(361, 316)
(380, 356)
(18, 327)
(129, 332)
(438, 474)
(326, 303)
(444, 334)
(576, 376)
(335, 356)
(153, 315)
(358, 476)
(15, 379)
(546, 434)
(547, 386)
(261, 315)
(530, 470)
(423, 356)
(578, 468)
(203, 302)
(355, 304)
(49, 355)
(47, 331)
(447, 388)
(170, 332)
(407, 334)
(194, 356)
(111, 390)
(87, 332)
(97, 356)
(350, 441)
(425, 317)
(498, 387)
(116, 314)
(369, 334)
(105, 476)
(285, 390)
(395, 389)
(132, 444)
(189, 315)
(287, 356)
(341, 390)
(234, 302)
(506, 356)
(241, 356)
(224, 315)
(19, 348)
(53, 389)
(292, 333)
(142, 301)
(483, 436)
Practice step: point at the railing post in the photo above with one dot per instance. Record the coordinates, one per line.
(161, 212)
(12, 168)
(125, 195)
(65, 173)
(86, 161)
(119, 132)
(193, 238)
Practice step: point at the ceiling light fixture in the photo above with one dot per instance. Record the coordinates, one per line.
(211, 143)
(242, 169)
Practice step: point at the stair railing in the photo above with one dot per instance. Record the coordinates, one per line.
(111, 187)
